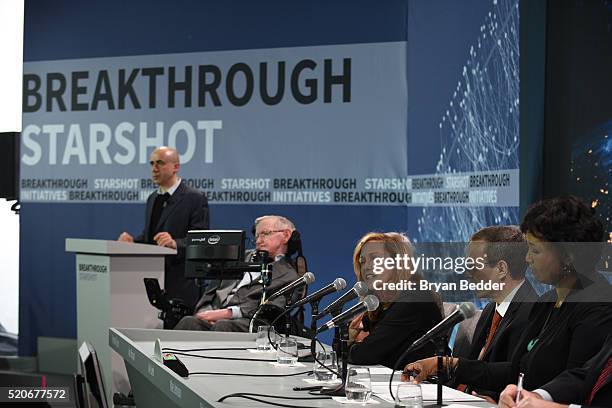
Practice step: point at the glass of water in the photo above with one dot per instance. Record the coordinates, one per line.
(327, 359)
(262, 338)
(287, 351)
(358, 386)
(409, 395)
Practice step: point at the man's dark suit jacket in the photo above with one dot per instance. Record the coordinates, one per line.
(248, 297)
(566, 337)
(574, 386)
(396, 329)
(186, 209)
(506, 336)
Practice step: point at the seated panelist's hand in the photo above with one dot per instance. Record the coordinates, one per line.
(357, 322)
(164, 239)
(508, 396)
(125, 237)
(531, 402)
(214, 315)
(422, 368)
(361, 336)
(528, 399)
(484, 397)
(356, 330)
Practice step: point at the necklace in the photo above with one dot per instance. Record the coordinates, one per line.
(534, 341)
(532, 344)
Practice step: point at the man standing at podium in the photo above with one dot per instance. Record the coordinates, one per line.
(171, 211)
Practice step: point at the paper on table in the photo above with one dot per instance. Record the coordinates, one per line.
(381, 389)
(312, 381)
(269, 351)
(382, 370)
(459, 406)
(343, 400)
(275, 364)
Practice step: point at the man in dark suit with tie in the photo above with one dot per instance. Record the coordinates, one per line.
(502, 321)
(171, 211)
(586, 386)
(230, 306)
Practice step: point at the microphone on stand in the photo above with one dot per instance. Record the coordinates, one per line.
(436, 334)
(306, 279)
(464, 311)
(335, 286)
(360, 289)
(369, 303)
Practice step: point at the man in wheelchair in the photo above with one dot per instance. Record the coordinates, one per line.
(230, 305)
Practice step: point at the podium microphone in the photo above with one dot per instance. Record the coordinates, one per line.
(335, 286)
(464, 311)
(369, 303)
(360, 289)
(306, 279)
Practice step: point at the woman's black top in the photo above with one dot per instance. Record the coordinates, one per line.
(555, 339)
(396, 329)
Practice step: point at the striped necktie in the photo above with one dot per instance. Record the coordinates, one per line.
(494, 325)
(604, 376)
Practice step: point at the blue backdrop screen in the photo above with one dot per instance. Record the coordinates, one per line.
(345, 116)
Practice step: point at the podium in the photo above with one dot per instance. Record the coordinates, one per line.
(111, 293)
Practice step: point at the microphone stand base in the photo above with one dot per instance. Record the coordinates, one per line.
(306, 359)
(435, 406)
(337, 391)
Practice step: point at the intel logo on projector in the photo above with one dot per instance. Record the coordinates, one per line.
(214, 239)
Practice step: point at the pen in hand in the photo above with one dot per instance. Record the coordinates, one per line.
(519, 388)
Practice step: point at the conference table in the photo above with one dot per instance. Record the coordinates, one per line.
(155, 385)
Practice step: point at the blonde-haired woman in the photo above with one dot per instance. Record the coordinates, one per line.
(405, 312)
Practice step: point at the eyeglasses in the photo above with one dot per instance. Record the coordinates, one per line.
(266, 234)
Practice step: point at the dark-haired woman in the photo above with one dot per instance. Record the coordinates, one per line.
(568, 324)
